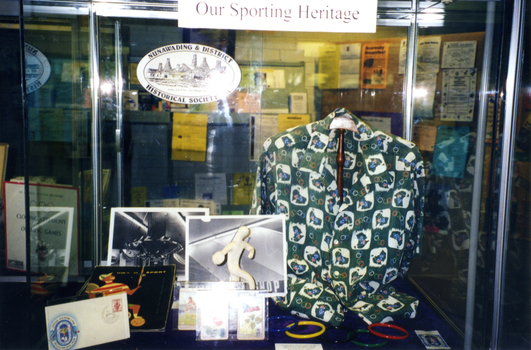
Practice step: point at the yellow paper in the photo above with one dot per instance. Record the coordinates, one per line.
(132, 73)
(329, 57)
(242, 188)
(138, 196)
(188, 156)
(190, 119)
(189, 137)
(189, 144)
(288, 121)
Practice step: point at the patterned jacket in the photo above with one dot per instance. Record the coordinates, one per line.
(344, 256)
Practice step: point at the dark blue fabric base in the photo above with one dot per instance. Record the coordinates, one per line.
(426, 320)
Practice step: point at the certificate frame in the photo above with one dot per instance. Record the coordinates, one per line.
(50, 197)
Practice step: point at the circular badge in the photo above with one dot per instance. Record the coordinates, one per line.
(64, 333)
(38, 68)
(188, 73)
(108, 316)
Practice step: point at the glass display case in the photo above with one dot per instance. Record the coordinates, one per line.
(82, 133)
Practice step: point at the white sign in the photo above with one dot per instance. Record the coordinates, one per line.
(211, 187)
(428, 54)
(459, 54)
(337, 16)
(188, 73)
(459, 94)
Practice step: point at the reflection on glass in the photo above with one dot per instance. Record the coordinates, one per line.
(59, 126)
(445, 124)
(516, 321)
(51, 240)
(288, 79)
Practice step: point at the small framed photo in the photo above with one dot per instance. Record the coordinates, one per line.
(213, 242)
(150, 236)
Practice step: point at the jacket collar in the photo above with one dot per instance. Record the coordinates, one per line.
(367, 145)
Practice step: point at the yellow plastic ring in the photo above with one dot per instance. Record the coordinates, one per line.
(306, 336)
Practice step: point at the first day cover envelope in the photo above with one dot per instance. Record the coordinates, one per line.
(84, 323)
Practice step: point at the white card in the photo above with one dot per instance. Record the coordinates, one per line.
(84, 323)
(251, 318)
(187, 309)
(298, 346)
(213, 320)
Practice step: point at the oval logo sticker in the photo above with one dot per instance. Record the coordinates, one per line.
(188, 73)
(38, 68)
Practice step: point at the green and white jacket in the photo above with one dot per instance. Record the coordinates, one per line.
(344, 256)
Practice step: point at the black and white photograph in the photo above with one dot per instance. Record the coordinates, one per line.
(238, 248)
(150, 236)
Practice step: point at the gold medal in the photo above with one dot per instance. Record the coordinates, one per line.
(138, 321)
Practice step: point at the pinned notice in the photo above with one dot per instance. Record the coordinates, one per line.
(189, 137)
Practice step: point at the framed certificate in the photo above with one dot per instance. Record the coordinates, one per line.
(54, 242)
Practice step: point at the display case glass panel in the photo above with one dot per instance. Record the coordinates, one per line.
(58, 81)
(454, 267)
(513, 248)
